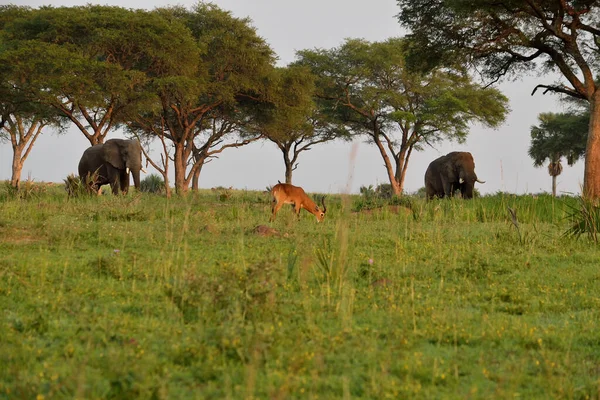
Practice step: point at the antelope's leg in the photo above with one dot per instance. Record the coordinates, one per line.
(274, 208)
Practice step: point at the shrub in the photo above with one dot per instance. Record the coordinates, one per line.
(27, 189)
(585, 217)
(153, 183)
(223, 192)
(384, 191)
(404, 201)
(367, 191)
(75, 187)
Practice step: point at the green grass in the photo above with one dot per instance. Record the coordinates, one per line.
(140, 296)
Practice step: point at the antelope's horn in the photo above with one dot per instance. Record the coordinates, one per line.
(323, 203)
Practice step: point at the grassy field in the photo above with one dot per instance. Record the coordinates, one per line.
(147, 297)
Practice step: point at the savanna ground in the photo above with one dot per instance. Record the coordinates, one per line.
(145, 297)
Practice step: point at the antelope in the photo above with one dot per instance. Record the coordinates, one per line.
(284, 193)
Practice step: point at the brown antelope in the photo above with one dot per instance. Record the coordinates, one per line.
(284, 193)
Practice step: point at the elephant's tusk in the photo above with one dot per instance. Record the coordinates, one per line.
(144, 171)
(480, 181)
(461, 181)
(127, 171)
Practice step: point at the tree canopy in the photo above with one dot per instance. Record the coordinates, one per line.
(291, 119)
(368, 88)
(203, 104)
(92, 62)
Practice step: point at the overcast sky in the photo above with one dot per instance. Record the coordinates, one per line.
(288, 26)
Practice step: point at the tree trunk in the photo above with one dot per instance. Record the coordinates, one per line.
(591, 176)
(17, 167)
(388, 166)
(196, 176)
(553, 185)
(96, 139)
(401, 167)
(167, 185)
(180, 168)
(289, 167)
(22, 139)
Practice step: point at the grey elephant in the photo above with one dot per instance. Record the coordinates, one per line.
(454, 171)
(113, 161)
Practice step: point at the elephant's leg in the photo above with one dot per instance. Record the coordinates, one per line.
(115, 188)
(124, 178)
(447, 185)
(113, 179)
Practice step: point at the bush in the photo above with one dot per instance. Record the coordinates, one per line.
(585, 218)
(404, 201)
(75, 187)
(27, 189)
(381, 191)
(384, 191)
(153, 183)
(421, 193)
(367, 191)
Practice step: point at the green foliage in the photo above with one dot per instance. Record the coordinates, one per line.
(290, 118)
(559, 135)
(153, 183)
(75, 187)
(219, 88)
(515, 37)
(585, 219)
(384, 191)
(101, 57)
(27, 190)
(379, 197)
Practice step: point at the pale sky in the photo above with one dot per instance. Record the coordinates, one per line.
(288, 26)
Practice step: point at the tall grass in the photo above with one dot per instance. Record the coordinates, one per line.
(141, 296)
(585, 217)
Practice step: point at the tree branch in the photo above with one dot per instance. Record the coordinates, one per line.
(559, 89)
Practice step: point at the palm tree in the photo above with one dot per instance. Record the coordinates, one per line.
(554, 169)
(557, 136)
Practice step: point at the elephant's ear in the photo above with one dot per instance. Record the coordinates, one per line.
(448, 169)
(113, 153)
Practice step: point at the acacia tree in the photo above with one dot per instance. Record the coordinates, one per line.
(291, 120)
(22, 117)
(91, 63)
(509, 37)
(224, 130)
(557, 136)
(368, 88)
(22, 123)
(22, 132)
(204, 104)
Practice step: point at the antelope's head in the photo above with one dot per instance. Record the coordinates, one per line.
(320, 213)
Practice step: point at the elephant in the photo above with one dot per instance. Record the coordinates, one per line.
(112, 161)
(446, 174)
